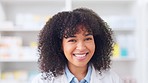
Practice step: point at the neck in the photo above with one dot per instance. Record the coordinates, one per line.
(78, 72)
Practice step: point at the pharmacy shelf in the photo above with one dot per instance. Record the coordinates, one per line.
(19, 30)
(124, 59)
(17, 60)
(106, 1)
(12, 81)
(30, 1)
(123, 29)
(106, 4)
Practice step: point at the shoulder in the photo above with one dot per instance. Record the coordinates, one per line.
(110, 73)
(40, 79)
(109, 76)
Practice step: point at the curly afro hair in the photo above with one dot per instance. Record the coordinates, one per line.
(64, 24)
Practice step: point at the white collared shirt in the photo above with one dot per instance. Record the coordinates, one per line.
(107, 76)
(72, 79)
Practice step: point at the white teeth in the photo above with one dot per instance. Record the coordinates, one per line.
(82, 55)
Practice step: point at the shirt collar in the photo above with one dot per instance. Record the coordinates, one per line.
(70, 76)
(88, 75)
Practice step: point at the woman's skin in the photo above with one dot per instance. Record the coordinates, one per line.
(79, 49)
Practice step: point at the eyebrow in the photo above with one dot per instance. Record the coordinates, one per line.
(71, 36)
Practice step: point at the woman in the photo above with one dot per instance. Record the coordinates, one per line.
(75, 47)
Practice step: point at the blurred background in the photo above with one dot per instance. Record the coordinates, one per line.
(21, 21)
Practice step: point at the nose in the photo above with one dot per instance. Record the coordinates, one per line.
(81, 46)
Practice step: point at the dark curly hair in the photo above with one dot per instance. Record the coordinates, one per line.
(64, 24)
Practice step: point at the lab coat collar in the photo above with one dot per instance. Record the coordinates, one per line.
(95, 77)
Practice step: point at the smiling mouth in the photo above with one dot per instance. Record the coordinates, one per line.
(81, 55)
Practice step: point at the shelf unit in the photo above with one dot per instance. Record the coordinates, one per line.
(144, 40)
(22, 65)
(125, 17)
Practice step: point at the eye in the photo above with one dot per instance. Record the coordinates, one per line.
(72, 40)
(87, 39)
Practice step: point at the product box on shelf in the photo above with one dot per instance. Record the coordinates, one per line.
(10, 47)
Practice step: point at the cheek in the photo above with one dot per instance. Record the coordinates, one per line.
(67, 49)
(91, 46)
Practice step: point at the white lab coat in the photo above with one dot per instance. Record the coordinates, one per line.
(106, 77)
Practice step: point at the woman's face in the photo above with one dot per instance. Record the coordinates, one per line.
(79, 48)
